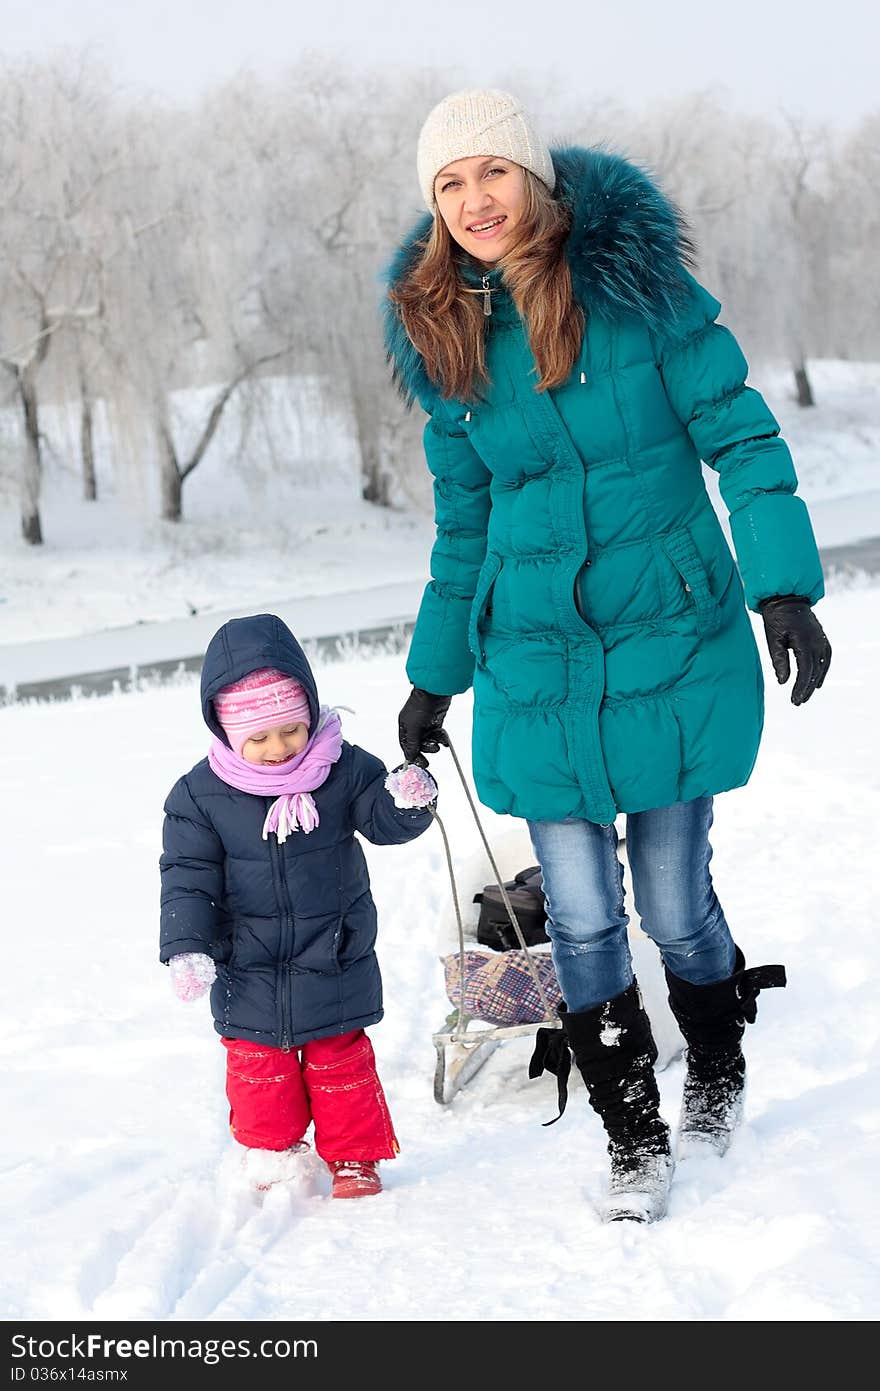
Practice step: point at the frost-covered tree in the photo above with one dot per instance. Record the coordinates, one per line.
(182, 291)
(854, 237)
(55, 166)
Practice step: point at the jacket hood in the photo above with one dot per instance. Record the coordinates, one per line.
(245, 644)
(627, 252)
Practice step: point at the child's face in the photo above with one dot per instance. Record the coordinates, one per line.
(276, 745)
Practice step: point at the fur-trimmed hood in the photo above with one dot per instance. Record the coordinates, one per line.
(627, 250)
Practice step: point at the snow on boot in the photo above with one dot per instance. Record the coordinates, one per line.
(264, 1168)
(354, 1178)
(638, 1143)
(712, 1019)
(712, 1105)
(615, 1052)
(639, 1187)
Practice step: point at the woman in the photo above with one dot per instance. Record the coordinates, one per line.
(574, 375)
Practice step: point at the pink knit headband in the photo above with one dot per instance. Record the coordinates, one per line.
(264, 699)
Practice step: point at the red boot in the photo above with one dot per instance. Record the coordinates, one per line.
(354, 1178)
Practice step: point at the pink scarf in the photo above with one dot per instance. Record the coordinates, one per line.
(294, 809)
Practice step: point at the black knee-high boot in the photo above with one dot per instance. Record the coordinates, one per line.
(615, 1052)
(712, 1019)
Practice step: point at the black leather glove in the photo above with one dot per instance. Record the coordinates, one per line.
(420, 725)
(789, 622)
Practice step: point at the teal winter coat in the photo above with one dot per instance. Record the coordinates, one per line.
(581, 579)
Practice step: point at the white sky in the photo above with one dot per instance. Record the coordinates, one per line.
(768, 54)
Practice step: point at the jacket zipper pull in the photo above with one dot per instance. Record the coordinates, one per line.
(487, 297)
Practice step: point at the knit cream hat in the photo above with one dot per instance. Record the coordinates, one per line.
(479, 122)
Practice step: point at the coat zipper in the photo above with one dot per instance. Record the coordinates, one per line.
(286, 991)
(286, 943)
(487, 297)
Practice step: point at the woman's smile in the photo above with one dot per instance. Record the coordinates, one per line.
(487, 227)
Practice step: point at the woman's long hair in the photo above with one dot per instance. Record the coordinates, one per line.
(445, 321)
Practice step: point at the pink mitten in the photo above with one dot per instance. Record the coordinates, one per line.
(192, 973)
(411, 786)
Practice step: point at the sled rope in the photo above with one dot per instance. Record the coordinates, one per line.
(460, 1026)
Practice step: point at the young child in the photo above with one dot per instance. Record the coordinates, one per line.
(266, 901)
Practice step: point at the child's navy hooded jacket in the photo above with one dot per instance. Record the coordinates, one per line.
(291, 927)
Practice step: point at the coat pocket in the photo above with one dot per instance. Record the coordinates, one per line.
(221, 994)
(481, 606)
(681, 549)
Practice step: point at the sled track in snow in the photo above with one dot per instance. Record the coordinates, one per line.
(186, 1252)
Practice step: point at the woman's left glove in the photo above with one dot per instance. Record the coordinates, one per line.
(789, 622)
(411, 786)
(192, 974)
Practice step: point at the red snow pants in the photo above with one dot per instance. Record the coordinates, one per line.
(274, 1095)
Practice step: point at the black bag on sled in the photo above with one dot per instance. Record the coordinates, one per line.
(526, 896)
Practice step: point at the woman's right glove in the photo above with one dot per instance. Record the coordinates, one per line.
(420, 725)
(192, 974)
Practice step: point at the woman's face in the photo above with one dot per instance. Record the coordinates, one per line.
(481, 200)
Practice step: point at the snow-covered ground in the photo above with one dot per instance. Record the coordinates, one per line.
(116, 1172)
(266, 522)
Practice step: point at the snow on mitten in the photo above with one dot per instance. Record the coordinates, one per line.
(411, 786)
(192, 974)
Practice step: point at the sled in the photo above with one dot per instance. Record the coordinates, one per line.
(462, 1051)
(465, 1044)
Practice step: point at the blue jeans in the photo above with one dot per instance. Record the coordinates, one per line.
(668, 852)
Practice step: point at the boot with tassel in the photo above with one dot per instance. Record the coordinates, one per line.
(615, 1052)
(712, 1019)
